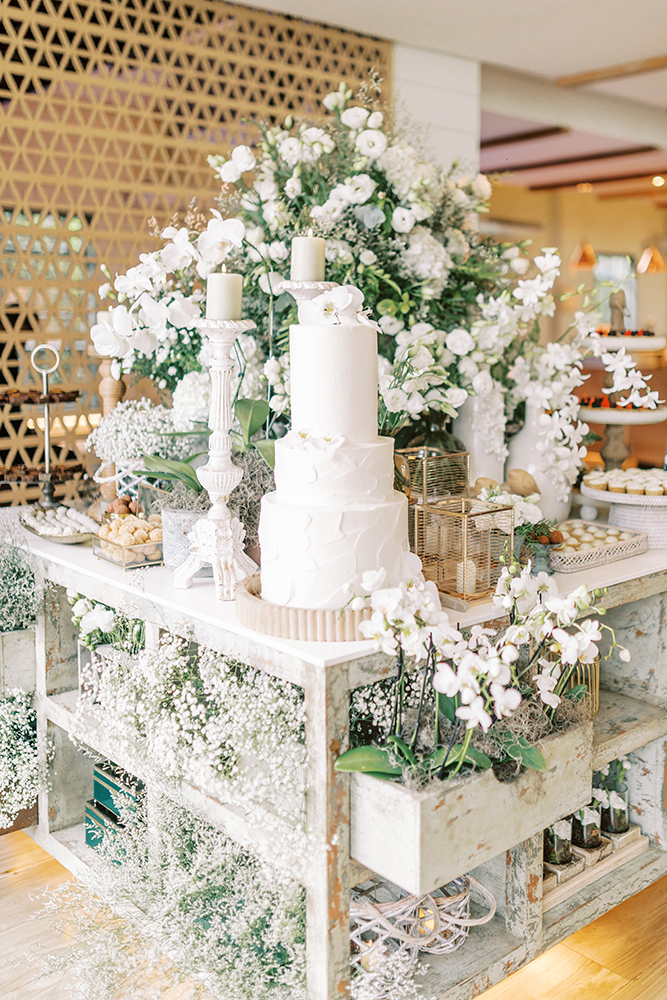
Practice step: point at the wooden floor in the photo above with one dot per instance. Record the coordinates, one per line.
(622, 955)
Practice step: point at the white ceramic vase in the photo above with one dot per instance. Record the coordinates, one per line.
(481, 463)
(523, 454)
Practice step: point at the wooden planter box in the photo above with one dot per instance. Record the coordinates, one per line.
(17, 659)
(422, 839)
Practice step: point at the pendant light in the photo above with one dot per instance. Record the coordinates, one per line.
(583, 258)
(651, 262)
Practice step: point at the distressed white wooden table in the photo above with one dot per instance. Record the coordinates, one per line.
(632, 719)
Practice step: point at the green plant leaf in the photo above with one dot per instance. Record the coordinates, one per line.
(403, 748)
(267, 449)
(472, 756)
(533, 759)
(170, 469)
(367, 759)
(576, 693)
(382, 776)
(251, 415)
(448, 707)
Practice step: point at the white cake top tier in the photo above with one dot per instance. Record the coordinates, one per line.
(334, 378)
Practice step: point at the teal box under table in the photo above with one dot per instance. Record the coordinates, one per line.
(99, 824)
(110, 791)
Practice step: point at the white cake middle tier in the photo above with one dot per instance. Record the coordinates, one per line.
(310, 554)
(313, 471)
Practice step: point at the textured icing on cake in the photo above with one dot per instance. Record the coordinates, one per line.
(334, 514)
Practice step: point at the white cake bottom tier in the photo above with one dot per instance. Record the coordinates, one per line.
(309, 555)
(349, 474)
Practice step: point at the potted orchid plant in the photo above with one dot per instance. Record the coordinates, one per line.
(461, 703)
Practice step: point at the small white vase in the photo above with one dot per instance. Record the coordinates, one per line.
(523, 454)
(475, 441)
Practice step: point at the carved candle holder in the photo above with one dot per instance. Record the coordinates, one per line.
(304, 291)
(218, 537)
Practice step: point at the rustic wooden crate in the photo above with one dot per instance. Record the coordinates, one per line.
(422, 839)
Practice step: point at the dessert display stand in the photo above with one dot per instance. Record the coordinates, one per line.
(614, 451)
(632, 719)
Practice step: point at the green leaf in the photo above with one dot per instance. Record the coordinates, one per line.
(576, 693)
(367, 759)
(382, 776)
(447, 706)
(533, 759)
(472, 756)
(267, 449)
(169, 469)
(251, 415)
(403, 747)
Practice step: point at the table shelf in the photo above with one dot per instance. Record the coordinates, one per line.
(624, 724)
(489, 954)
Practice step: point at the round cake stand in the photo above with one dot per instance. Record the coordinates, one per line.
(635, 513)
(614, 451)
(308, 624)
(636, 345)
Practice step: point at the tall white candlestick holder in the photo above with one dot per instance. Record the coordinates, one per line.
(304, 291)
(218, 537)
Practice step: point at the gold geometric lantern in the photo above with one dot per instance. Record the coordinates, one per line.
(462, 542)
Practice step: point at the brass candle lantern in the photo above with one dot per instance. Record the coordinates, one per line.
(463, 543)
(427, 475)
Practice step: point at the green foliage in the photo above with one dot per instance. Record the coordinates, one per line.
(172, 471)
(518, 748)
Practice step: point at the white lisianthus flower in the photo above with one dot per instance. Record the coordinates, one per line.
(395, 400)
(459, 342)
(354, 118)
(81, 607)
(293, 187)
(375, 120)
(244, 158)
(266, 188)
(278, 250)
(367, 257)
(422, 358)
(391, 325)
(99, 618)
(357, 190)
(273, 282)
(482, 187)
(316, 142)
(104, 289)
(402, 220)
(371, 143)
(336, 99)
(372, 216)
(229, 172)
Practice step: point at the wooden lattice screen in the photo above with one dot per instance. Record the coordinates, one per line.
(108, 109)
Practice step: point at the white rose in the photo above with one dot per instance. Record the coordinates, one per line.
(367, 257)
(482, 383)
(354, 117)
(402, 220)
(244, 158)
(375, 120)
(456, 397)
(371, 143)
(229, 172)
(459, 342)
(481, 187)
(395, 400)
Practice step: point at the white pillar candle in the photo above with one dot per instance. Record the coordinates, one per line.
(466, 577)
(224, 294)
(307, 258)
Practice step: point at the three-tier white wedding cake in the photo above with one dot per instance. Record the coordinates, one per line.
(335, 513)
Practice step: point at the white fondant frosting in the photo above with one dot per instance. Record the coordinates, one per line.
(348, 474)
(335, 513)
(333, 380)
(309, 553)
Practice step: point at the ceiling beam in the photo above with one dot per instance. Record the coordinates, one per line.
(553, 185)
(634, 68)
(516, 137)
(609, 154)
